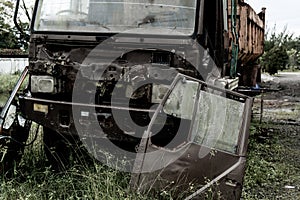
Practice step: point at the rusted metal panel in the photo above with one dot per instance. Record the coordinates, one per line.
(251, 28)
(210, 146)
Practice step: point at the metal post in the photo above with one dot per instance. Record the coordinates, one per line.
(261, 107)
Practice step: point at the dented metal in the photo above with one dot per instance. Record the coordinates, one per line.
(215, 159)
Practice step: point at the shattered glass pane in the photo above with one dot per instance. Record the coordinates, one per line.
(182, 99)
(218, 122)
(10, 117)
(168, 17)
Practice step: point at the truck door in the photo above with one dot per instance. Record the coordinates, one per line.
(207, 148)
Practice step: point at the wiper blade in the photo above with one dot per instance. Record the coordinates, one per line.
(99, 24)
(147, 20)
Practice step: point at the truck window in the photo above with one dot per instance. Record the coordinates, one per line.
(181, 101)
(218, 122)
(171, 129)
(136, 16)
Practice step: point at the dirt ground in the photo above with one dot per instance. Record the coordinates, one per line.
(273, 170)
(282, 106)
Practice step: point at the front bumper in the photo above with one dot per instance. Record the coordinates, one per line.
(65, 117)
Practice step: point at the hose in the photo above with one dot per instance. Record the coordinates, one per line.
(235, 46)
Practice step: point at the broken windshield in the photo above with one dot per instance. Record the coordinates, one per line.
(133, 16)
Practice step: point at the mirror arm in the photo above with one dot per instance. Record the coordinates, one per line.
(26, 11)
(16, 17)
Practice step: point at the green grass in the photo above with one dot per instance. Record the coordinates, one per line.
(33, 178)
(72, 184)
(75, 183)
(273, 162)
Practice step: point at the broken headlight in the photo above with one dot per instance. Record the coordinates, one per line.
(42, 84)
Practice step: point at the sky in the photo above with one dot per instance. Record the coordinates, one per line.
(280, 12)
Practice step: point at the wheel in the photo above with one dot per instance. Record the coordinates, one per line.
(12, 145)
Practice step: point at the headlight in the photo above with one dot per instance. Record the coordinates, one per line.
(43, 84)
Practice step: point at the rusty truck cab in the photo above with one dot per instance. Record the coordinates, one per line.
(147, 77)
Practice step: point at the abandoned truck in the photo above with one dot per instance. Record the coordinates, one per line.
(148, 81)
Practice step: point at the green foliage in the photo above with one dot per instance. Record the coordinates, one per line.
(281, 51)
(294, 52)
(275, 57)
(7, 82)
(7, 38)
(294, 57)
(10, 38)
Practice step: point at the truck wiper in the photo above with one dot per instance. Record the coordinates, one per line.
(147, 20)
(99, 24)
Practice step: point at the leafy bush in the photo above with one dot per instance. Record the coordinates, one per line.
(282, 50)
(7, 82)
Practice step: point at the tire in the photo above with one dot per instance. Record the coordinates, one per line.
(14, 146)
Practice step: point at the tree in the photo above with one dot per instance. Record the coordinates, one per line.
(276, 57)
(294, 53)
(10, 37)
